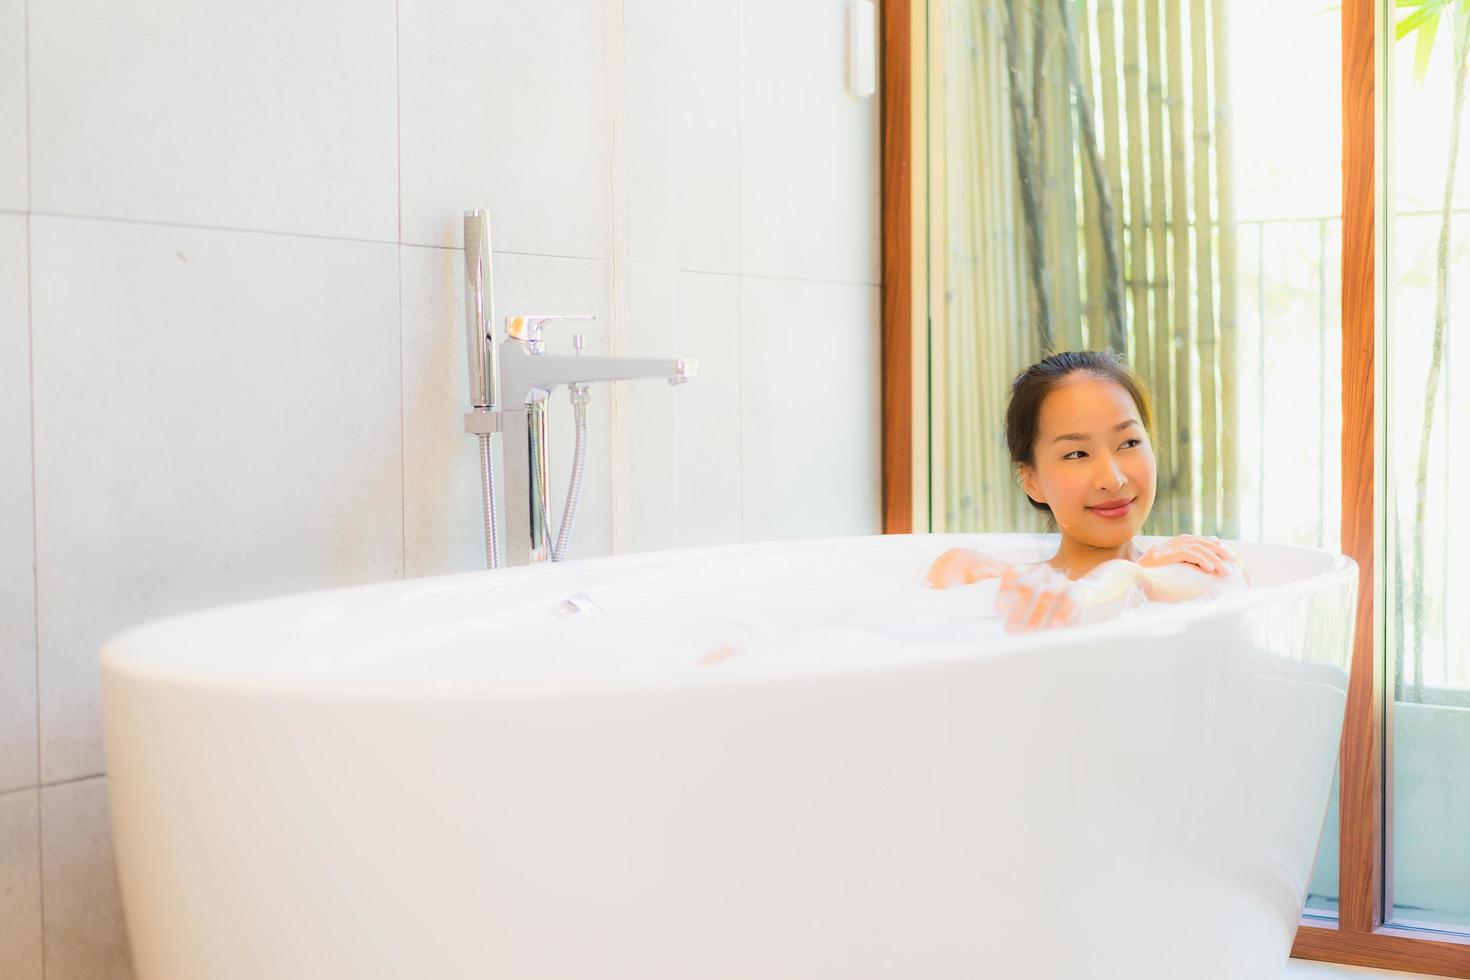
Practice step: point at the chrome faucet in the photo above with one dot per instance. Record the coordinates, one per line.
(510, 382)
(526, 368)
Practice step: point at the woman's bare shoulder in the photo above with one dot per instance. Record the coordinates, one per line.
(963, 566)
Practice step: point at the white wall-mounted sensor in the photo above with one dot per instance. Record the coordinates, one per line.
(862, 48)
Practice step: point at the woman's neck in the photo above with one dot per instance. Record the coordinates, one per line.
(1076, 558)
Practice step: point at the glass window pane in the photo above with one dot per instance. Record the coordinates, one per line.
(1177, 198)
(1174, 195)
(1428, 410)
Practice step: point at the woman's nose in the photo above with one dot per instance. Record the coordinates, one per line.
(1111, 477)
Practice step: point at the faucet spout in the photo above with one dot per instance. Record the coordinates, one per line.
(523, 373)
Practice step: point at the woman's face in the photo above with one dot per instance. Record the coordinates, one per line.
(1092, 451)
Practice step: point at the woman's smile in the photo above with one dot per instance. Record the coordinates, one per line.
(1113, 509)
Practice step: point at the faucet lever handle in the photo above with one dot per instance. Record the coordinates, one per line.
(527, 328)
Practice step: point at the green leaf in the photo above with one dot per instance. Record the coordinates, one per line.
(1428, 10)
(1424, 47)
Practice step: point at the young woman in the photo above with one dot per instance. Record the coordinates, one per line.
(1078, 427)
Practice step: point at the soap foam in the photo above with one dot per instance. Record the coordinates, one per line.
(827, 610)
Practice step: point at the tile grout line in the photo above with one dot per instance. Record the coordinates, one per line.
(153, 222)
(671, 230)
(810, 279)
(398, 170)
(35, 584)
(148, 222)
(739, 271)
(38, 787)
(615, 70)
(679, 270)
(398, 111)
(528, 255)
(35, 538)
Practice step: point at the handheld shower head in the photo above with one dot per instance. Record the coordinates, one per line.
(479, 312)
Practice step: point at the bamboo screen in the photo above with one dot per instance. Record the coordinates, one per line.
(1082, 174)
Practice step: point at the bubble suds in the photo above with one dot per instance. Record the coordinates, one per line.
(823, 610)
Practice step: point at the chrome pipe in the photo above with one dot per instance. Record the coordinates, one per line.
(484, 363)
(540, 482)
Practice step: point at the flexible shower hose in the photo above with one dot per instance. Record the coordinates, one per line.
(487, 488)
(574, 486)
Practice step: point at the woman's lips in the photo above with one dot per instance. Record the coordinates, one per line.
(1114, 511)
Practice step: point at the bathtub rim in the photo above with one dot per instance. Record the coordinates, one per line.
(125, 655)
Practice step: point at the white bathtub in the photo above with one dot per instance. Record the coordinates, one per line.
(776, 761)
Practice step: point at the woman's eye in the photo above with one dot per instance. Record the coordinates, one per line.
(1131, 443)
(1075, 454)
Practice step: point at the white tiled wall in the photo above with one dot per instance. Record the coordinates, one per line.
(200, 438)
(20, 884)
(809, 464)
(708, 453)
(231, 323)
(83, 931)
(17, 578)
(705, 138)
(13, 176)
(502, 106)
(270, 116)
(807, 166)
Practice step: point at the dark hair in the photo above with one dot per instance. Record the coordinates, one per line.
(1031, 386)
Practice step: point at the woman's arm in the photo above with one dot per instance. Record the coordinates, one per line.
(962, 566)
(1042, 597)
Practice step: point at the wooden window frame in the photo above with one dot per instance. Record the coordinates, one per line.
(904, 217)
(1358, 936)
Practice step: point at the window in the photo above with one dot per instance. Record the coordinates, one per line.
(1140, 191)
(1216, 188)
(1427, 409)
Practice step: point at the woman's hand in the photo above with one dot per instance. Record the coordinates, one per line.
(1038, 598)
(961, 566)
(1209, 554)
(1042, 597)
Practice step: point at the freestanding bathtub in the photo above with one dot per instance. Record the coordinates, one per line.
(775, 761)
